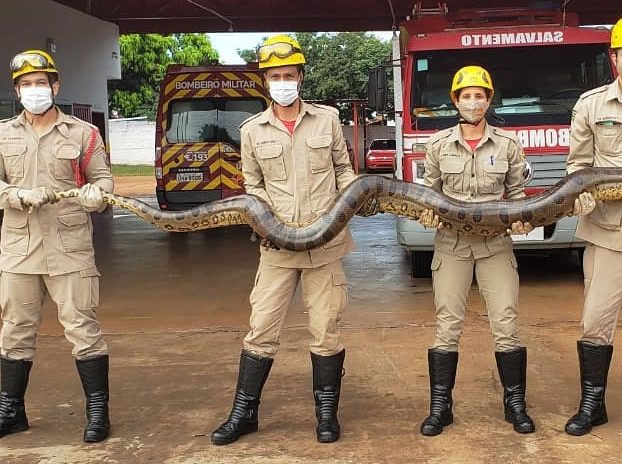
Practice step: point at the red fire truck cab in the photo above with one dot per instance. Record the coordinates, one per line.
(540, 62)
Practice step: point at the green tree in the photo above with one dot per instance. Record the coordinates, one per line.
(144, 58)
(338, 65)
(247, 55)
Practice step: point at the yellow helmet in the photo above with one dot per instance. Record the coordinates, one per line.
(471, 76)
(280, 50)
(616, 35)
(32, 61)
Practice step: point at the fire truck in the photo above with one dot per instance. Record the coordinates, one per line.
(197, 142)
(540, 62)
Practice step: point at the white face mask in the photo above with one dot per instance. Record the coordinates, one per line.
(473, 112)
(284, 93)
(35, 99)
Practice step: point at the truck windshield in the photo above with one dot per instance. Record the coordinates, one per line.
(209, 119)
(533, 85)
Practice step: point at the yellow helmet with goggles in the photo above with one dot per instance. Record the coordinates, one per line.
(471, 76)
(616, 35)
(32, 61)
(280, 50)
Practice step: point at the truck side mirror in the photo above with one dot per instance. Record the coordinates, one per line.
(377, 89)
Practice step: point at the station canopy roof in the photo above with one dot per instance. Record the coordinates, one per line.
(172, 16)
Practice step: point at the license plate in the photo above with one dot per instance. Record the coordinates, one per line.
(189, 176)
(536, 234)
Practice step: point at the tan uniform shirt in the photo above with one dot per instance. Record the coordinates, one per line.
(596, 141)
(56, 238)
(299, 175)
(493, 170)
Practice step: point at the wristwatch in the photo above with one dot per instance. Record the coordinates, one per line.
(21, 198)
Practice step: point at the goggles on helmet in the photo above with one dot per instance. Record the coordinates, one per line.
(35, 60)
(279, 49)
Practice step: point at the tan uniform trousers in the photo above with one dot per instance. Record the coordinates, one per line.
(324, 293)
(603, 294)
(497, 279)
(77, 298)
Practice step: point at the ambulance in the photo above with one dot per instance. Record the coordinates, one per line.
(197, 156)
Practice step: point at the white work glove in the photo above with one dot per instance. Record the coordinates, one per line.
(583, 205)
(369, 208)
(520, 228)
(429, 219)
(91, 198)
(28, 199)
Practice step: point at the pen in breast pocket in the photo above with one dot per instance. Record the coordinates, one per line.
(492, 161)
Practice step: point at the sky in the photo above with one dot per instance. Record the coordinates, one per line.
(226, 43)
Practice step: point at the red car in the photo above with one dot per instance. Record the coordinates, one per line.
(380, 156)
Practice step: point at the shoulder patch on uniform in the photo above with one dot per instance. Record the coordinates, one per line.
(328, 108)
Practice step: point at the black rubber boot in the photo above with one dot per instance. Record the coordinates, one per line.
(244, 416)
(442, 368)
(14, 375)
(94, 376)
(512, 366)
(594, 361)
(327, 372)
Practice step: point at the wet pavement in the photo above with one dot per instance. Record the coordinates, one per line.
(175, 308)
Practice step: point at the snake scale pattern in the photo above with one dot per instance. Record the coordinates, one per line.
(394, 196)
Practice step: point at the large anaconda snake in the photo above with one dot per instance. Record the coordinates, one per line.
(397, 197)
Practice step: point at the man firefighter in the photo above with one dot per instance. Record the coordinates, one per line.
(596, 140)
(48, 248)
(294, 157)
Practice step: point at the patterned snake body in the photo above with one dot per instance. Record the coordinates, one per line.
(397, 197)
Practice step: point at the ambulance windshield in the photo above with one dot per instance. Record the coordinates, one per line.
(209, 119)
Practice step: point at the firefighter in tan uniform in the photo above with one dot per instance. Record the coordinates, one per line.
(47, 248)
(596, 141)
(294, 157)
(473, 161)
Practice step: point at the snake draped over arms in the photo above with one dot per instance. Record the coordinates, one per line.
(397, 197)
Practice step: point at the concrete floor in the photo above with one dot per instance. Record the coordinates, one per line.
(175, 309)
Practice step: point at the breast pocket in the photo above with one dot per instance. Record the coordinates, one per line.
(319, 150)
(270, 158)
(75, 232)
(66, 157)
(452, 172)
(15, 235)
(493, 180)
(14, 157)
(609, 138)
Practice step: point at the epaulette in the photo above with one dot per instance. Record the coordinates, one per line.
(82, 121)
(2, 121)
(596, 91)
(504, 133)
(440, 135)
(331, 109)
(249, 119)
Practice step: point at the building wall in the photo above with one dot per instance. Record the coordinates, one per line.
(132, 141)
(87, 49)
